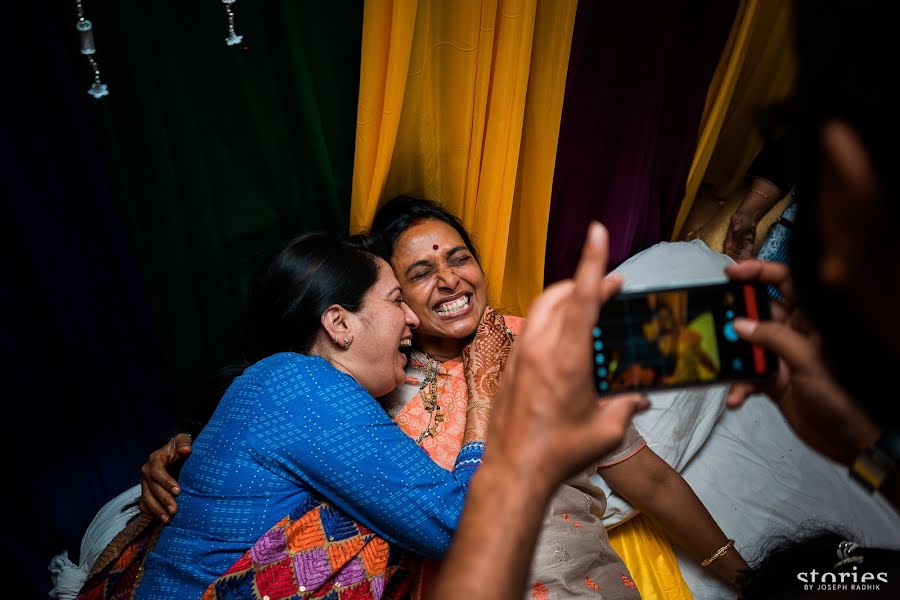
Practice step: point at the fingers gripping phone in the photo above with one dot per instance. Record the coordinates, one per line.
(679, 337)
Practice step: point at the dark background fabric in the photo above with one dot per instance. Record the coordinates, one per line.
(216, 152)
(637, 83)
(131, 225)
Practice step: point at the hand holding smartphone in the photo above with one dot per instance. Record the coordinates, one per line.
(679, 337)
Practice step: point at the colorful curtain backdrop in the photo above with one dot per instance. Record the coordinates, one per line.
(217, 153)
(756, 69)
(460, 103)
(638, 78)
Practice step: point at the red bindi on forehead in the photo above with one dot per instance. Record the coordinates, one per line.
(435, 247)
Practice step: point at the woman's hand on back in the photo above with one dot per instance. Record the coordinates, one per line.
(158, 486)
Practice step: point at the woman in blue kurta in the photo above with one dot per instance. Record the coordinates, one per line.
(303, 424)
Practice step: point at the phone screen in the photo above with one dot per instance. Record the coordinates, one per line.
(679, 337)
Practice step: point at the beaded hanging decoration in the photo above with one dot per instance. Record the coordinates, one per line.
(429, 392)
(86, 31)
(233, 38)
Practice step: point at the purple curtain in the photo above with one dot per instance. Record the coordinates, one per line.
(638, 77)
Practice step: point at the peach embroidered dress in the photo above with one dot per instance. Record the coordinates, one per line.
(573, 558)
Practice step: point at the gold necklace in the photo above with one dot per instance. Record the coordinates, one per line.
(429, 392)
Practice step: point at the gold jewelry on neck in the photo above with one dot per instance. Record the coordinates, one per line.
(429, 392)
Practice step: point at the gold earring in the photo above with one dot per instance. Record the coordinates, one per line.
(346, 344)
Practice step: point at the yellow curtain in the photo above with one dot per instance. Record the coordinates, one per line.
(460, 102)
(756, 69)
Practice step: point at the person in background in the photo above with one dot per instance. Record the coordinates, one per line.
(770, 177)
(837, 329)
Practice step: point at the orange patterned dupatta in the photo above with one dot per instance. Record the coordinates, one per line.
(118, 570)
(472, 376)
(315, 552)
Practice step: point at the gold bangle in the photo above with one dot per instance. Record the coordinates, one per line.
(718, 553)
(477, 404)
(763, 194)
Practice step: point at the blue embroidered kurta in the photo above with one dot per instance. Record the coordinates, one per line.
(291, 425)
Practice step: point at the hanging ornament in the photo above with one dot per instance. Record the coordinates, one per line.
(86, 30)
(233, 38)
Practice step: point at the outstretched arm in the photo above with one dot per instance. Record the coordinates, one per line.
(660, 492)
(741, 235)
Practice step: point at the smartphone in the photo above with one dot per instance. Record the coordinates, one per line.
(679, 337)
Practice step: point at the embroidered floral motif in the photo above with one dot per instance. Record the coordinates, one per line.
(627, 582)
(321, 551)
(561, 554)
(576, 524)
(591, 583)
(540, 591)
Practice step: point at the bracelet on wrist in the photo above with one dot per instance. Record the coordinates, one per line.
(718, 554)
(478, 404)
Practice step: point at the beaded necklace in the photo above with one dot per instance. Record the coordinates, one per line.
(429, 392)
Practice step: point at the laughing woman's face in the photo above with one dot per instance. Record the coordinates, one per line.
(441, 280)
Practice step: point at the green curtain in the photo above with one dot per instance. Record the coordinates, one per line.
(215, 152)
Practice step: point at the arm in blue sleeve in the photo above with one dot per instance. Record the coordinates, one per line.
(336, 439)
(468, 461)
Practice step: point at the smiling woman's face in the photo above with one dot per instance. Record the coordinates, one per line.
(442, 283)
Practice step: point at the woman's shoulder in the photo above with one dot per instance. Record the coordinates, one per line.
(295, 380)
(291, 365)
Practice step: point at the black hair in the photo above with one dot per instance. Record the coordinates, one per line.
(285, 302)
(403, 212)
(845, 54)
(287, 299)
(786, 560)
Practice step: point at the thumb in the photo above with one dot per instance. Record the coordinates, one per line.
(609, 422)
(793, 347)
(183, 444)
